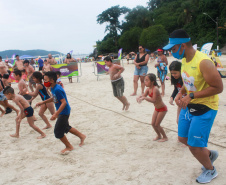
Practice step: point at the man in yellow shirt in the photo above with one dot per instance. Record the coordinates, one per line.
(202, 83)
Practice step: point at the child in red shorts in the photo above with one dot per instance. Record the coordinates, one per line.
(160, 108)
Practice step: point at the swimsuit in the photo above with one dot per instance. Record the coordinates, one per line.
(43, 93)
(163, 109)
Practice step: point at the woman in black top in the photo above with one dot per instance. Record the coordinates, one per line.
(141, 69)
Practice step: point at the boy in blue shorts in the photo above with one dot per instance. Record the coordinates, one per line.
(25, 111)
(63, 112)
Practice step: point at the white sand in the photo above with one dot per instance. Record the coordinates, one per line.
(118, 150)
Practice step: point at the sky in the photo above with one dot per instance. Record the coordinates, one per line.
(55, 25)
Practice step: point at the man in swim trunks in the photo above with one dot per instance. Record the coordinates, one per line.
(202, 83)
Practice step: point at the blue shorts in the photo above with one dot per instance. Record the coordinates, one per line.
(2, 96)
(142, 71)
(196, 128)
(29, 112)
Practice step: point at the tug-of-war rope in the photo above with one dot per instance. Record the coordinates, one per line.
(222, 146)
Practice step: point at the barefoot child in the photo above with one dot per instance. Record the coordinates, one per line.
(41, 90)
(25, 111)
(160, 108)
(176, 80)
(117, 81)
(30, 70)
(62, 114)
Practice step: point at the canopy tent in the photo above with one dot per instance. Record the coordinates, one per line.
(26, 56)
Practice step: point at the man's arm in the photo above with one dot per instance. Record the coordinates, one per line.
(212, 78)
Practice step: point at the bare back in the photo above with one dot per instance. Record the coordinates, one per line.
(3, 68)
(21, 100)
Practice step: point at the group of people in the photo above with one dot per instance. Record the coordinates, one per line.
(196, 85)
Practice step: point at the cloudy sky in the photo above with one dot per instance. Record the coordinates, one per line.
(60, 25)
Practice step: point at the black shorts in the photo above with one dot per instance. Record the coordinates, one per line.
(27, 97)
(40, 68)
(118, 87)
(29, 112)
(62, 126)
(6, 76)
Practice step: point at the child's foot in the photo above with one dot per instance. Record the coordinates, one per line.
(41, 137)
(14, 135)
(127, 106)
(66, 150)
(134, 94)
(163, 139)
(3, 112)
(47, 126)
(124, 106)
(157, 138)
(82, 140)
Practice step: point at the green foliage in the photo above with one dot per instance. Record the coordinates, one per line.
(154, 37)
(130, 39)
(167, 15)
(106, 46)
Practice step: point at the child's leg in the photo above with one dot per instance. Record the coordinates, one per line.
(124, 101)
(68, 148)
(154, 117)
(3, 112)
(30, 121)
(163, 88)
(51, 107)
(158, 121)
(18, 121)
(78, 134)
(41, 114)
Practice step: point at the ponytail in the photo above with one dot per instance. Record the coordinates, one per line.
(152, 78)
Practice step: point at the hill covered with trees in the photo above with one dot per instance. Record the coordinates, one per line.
(150, 26)
(37, 52)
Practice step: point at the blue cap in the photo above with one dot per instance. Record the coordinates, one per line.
(175, 41)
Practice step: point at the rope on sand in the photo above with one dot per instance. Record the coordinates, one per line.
(222, 146)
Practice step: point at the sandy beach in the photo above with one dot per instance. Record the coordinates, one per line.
(118, 149)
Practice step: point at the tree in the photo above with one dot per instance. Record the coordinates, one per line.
(129, 40)
(111, 16)
(154, 37)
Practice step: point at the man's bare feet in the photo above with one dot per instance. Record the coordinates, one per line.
(157, 138)
(2, 114)
(66, 150)
(47, 126)
(127, 106)
(41, 137)
(163, 139)
(82, 140)
(134, 94)
(15, 135)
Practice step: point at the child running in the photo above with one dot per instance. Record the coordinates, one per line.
(41, 90)
(176, 80)
(25, 111)
(160, 108)
(62, 114)
(117, 81)
(58, 73)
